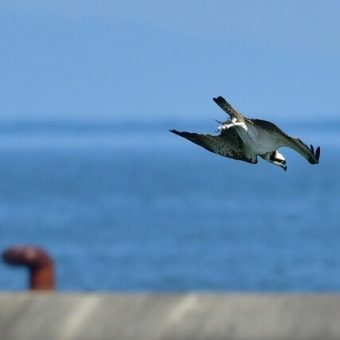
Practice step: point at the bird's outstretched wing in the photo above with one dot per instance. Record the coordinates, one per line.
(226, 107)
(296, 144)
(309, 153)
(227, 144)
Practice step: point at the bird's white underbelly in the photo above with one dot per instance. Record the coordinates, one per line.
(259, 140)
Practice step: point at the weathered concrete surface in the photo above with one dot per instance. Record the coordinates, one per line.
(52, 316)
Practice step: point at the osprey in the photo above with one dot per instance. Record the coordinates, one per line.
(244, 139)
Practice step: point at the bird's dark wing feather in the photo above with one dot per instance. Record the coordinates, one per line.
(309, 153)
(296, 144)
(227, 144)
(226, 107)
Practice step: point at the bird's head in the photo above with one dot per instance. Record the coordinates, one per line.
(276, 158)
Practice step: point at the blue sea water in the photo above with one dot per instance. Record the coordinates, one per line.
(136, 208)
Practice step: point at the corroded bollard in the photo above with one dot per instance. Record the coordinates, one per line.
(39, 263)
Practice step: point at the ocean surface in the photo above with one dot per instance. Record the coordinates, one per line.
(132, 207)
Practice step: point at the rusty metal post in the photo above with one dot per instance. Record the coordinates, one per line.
(39, 263)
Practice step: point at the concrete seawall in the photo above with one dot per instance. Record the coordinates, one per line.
(85, 316)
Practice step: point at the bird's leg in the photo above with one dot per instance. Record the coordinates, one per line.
(224, 125)
(230, 123)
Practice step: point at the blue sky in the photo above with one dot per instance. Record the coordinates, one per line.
(165, 60)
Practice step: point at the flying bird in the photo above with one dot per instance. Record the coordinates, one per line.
(244, 139)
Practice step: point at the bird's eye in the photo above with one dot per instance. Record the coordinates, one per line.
(281, 161)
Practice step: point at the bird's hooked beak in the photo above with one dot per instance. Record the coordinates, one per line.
(284, 166)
